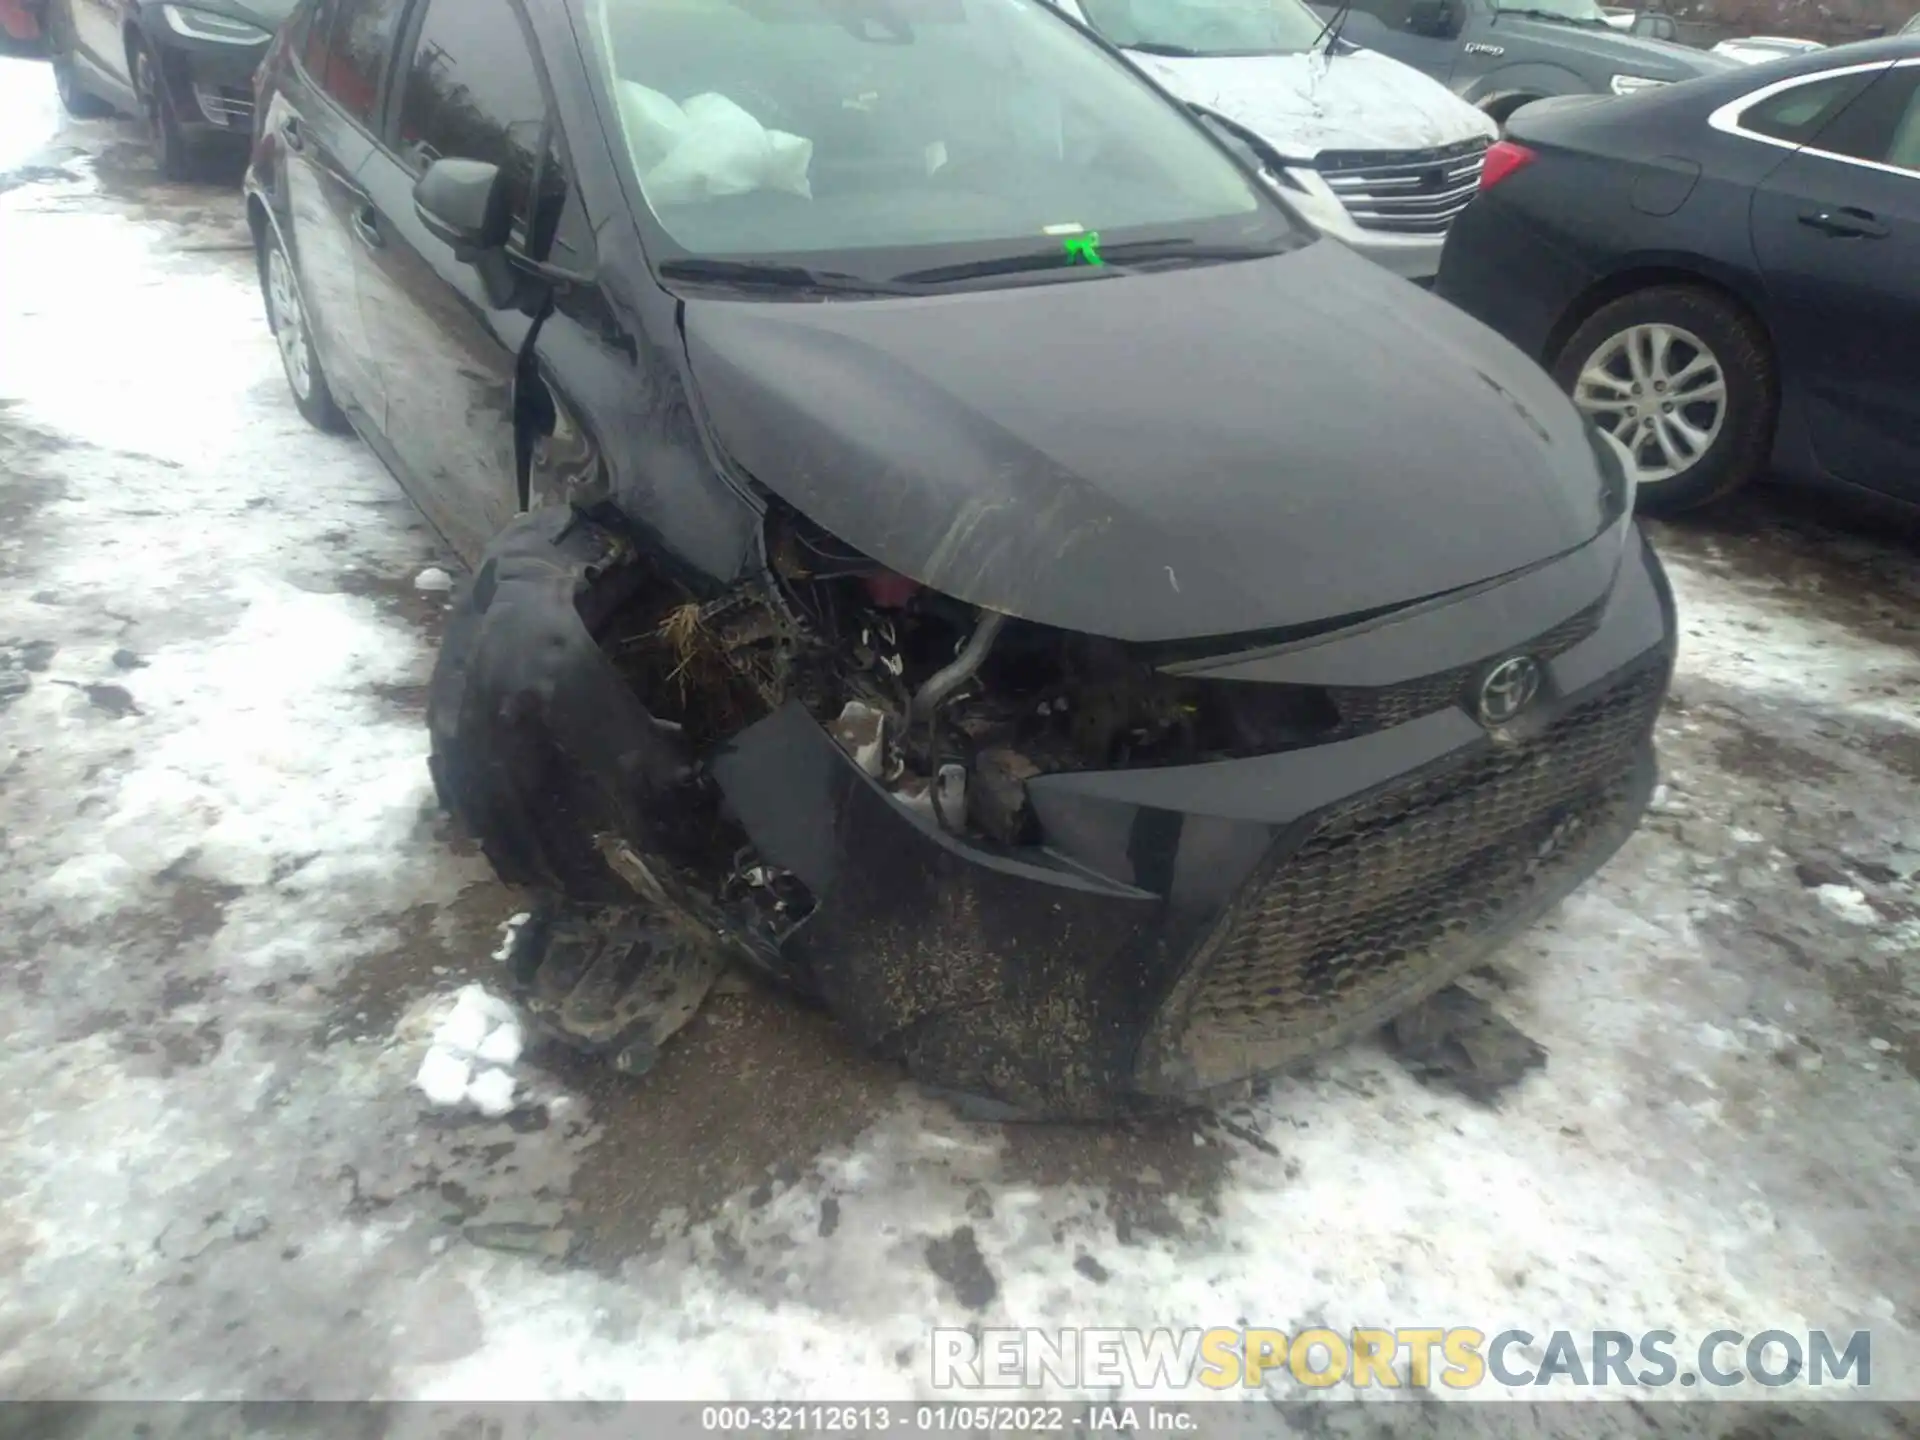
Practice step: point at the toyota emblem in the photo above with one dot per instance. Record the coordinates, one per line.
(1508, 689)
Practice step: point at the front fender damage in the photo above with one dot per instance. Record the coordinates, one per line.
(818, 774)
(547, 756)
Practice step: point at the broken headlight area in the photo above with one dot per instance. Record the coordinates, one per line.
(952, 709)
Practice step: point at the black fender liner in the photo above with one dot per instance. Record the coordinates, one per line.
(539, 745)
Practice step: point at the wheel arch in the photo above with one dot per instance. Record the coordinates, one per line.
(1499, 107)
(1648, 274)
(1500, 92)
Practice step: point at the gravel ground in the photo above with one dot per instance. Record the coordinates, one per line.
(237, 924)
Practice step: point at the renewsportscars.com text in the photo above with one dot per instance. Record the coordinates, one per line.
(1457, 1358)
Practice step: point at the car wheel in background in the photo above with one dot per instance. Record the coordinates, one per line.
(66, 80)
(170, 148)
(1684, 379)
(287, 315)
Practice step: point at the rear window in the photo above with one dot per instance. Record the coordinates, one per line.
(1796, 115)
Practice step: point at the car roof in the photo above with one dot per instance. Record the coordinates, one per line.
(1813, 62)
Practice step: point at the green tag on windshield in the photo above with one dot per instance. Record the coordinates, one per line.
(1082, 249)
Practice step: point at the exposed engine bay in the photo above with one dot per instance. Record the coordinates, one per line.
(951, 708)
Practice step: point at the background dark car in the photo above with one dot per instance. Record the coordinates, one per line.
(1726, 275)
(186, 69)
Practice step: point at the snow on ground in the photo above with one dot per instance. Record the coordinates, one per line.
(242, 935)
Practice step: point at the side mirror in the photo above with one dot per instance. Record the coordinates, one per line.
(464, 203)
(1432, 17)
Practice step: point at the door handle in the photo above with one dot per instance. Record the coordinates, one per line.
(291, 132)
(366, 224)
(1846, 223)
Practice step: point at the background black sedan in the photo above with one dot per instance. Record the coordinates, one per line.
(1725, 275)
(186, 69)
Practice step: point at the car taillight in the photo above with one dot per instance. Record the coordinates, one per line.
(1503, 158)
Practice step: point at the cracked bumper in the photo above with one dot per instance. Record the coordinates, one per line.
(1182, 929)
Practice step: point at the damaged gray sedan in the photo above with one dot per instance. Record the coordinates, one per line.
(948, 537)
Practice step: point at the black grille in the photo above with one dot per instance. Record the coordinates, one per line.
(1391, 896)
(1413, 192)
(1365, 709)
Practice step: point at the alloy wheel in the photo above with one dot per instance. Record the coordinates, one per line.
(1660, 392)
(289, 322)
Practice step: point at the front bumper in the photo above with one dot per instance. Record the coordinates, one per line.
(211, 83)
(1182, 929)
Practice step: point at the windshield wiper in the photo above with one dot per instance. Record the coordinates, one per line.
(777, 276)
(1120, 256)
(1330, 32)
(1158, 47)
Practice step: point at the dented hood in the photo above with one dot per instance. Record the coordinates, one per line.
(1154, 456)
(1303, 104)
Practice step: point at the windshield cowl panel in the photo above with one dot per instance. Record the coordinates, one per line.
(866, 139)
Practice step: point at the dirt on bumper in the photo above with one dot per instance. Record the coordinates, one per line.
(1152, 935)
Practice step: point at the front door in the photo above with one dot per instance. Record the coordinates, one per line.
(1836, 229)
(322, 123)
(469, 86)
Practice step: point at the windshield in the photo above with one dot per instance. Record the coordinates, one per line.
(1585, 12)
(1206, 27)
(852, 128)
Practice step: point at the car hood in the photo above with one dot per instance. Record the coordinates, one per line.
(1580, 45)
(1303, 104)
(1213, 450)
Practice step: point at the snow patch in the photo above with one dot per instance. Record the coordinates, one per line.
(471, 1059)
(509, 931)
(1848, 903)
(29, 110)
(433, 579)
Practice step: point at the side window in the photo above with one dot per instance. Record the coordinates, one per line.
(473, 90)
(298, 28)
(1796, 115)
(1394, 14)
(313, 48)
(1882, 125)
(362, 38)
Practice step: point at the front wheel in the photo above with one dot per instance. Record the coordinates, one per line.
(287, 314)
(1685, 380)
(76, 101)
